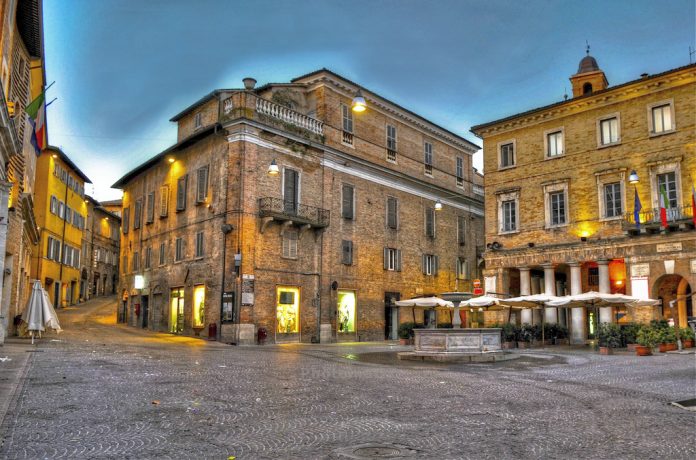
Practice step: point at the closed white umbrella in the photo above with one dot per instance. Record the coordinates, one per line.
(600, 299)
(482, 301)
(39, 313)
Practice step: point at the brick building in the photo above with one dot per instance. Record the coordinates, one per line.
(560, 197)
(317, 250)
(100, 252)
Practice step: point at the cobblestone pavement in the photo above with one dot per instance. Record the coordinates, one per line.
(111, 391)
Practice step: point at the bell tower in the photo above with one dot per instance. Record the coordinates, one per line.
(590, 78)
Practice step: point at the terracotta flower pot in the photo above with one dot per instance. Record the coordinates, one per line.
(688, 343)
(509, 345)
(606, 351)
(404, 341)
(643, 351)
(631, 346)
(665, 347)
(522, 344)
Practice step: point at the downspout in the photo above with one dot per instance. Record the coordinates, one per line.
(62, 249)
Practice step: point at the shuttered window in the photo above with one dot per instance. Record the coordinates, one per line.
(461, 230)
(347, 252)
(347, 210)
(179, 252)
(290, 245)
(161, 254)
(199, 245)
(150, 208)
(126, 220)
(430, 222)
(202, 184)
(148, 257)
(181, 193)
(138, 213)
(291, 190)
(164, 200)
(430, 264)
(392, 212)
(392, 259)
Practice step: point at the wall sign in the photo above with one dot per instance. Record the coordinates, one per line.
(668, 247)
(640, 270)
(247, 290)
(693, 265)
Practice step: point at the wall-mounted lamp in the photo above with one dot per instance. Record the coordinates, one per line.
(633, 177)
(438, 205)
(359, 104)
(583, 239)
(530, 244)
(273, 169)
(55, 155)
(171, 159)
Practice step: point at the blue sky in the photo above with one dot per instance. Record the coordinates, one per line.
(123, 68)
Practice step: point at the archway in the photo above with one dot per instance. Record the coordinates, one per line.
(674, 289)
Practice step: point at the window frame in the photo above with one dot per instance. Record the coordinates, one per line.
(666, 168)
(428, 158)
(459, 171)
(290, 244)
(162, 254)
(179, 249)
(429, 222)
(600, 135)
(392, 199)
(391, 142)
(603, 179)
(150, 208)
(505, 197)
(651, 119)
(392, 259)
(181, 192)
(164, 200)
(614, 186)
(429, 264)
(197, 120)
(550, 189)
(500, 146)
(199, 252)
(547, 134)
(205, 171)
(351, 214)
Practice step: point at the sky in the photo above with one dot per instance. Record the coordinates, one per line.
(123, 68)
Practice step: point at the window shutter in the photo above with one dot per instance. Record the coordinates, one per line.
(392, 205)
(150, 207)
(126, 219)
(181, 193)
(347, 202)
(423, 264)
(164, 200)
(138, 212)
(429, 222)
(398, 260)
(202, 186)
(436, 263)
(386, 258)
(461, 230)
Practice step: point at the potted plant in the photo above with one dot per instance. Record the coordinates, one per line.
(509, 335)
(525, 335)
(560, 336)
(406, 333)
(647, 338)
(687, 337)
(628, 335)
(668, 339)
(609, 337)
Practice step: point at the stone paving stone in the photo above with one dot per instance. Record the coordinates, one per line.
(107, 391)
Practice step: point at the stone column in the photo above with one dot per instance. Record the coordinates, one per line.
(605, 313)
(577, 315)
(525, 289)
(550, 313)
(4, 217)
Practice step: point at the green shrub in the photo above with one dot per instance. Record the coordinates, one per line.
(629, 333)
(667, 335)
(659, 324)
(609, 335)
(406, 330)
(686, 333)
(648, 336)
(526, 333)
(509, 332)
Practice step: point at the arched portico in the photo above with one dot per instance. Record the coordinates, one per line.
(676, 290)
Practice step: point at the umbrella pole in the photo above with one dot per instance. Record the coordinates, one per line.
(509, 313)
(413, 310)
(32, 337)
(543, 339)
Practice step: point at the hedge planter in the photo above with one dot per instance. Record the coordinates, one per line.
(665, 347)
(631, 346)
(523, 345)
(688, 343)
(643, 351)
(606, 351)
(509, 345)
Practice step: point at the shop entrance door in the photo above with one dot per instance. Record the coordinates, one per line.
(144, 306)
(591, 323)
(176, 312)
(287, 314)
(391, 315)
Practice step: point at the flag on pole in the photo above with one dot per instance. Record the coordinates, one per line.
(636, 210)
(664, 204)
(36, 111)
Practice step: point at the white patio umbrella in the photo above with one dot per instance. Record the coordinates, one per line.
(39, 313)
(531, 301)
(482, 301)
(424, 302)
(598, 299)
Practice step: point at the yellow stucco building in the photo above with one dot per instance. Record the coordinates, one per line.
(61, 212)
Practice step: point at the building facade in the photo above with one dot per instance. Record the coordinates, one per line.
(100, 252)
(565, 183)
(22, 79)
(61, 214)
(346, 222)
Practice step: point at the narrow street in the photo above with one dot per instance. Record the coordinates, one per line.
(101, 390)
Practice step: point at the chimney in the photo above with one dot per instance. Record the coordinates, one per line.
(249, 83)
(644, 75)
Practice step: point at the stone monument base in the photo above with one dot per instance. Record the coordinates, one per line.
(478, 345)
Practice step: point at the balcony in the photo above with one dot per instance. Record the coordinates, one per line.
(271, 209)
(286, 115)
(679, 218)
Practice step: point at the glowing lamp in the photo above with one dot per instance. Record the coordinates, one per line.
(139, 282)
(633, 177)
(438, 205)
(171, 159)
(273, 169)
(359, 104)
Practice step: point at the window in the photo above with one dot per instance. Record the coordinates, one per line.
(609, 131)
(136, 261)
(558, 208)
(661, 118)
(199, 245)
(61, 210)
(347, 252)
(459, 171)
(392, 212)
(53, 249)
(68, 214)
(138, 213)
(428, 158)
(197, 120)
(181, 193)
(347, 134)
(509, 216)
(461, 230)
(126, 220)
(54, 205)
(392, 259)
(291, 190)
(202, 184)
(612, 200)
(430, 264)
(124, 263)
(554, 144)
(161, 254)
(507, 155)
(198, 305)
(430, 222)
(347, 202)
(668, 183)
(290, 245)
(164, 200)
(462, 269)
(391, 143)
(150, 217)
(179, 251)
(148, 257)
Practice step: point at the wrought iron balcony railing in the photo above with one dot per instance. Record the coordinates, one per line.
(650, 218)
(280, 209)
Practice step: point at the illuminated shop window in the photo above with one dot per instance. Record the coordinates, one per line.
(176, 313)
(346, 311)
(198, 305)
(288, 310)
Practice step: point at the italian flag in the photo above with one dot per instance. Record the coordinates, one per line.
(36, 111)
(664, 204)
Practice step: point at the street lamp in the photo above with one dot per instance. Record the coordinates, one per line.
(438, 205)
(273, 169)
(633, 177)
(359, 104)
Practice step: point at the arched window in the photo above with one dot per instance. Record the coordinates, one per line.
(587, 88)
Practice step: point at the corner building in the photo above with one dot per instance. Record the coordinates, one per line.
(560, 210)
(321, 249)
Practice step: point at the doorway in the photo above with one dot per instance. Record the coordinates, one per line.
(591, 320)
(391, 315)
(176, 312)
(144, 301)
(677, 301)
(287, 314)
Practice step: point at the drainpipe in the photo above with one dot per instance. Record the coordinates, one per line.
(62, 249)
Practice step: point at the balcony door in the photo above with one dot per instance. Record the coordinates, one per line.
(291, 190)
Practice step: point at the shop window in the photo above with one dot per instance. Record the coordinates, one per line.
(346, 311)
(198, 305)
(288, 310)
(176, 312)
